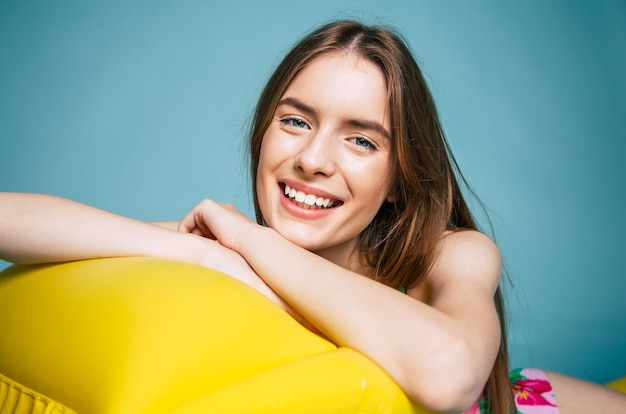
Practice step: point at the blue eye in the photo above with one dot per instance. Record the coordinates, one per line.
(294, 122)
(364, 143)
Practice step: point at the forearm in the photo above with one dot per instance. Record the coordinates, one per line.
(440, 352)
(417, 345)
(41, 228)
(172, 225)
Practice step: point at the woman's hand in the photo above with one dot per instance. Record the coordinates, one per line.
(221, 222)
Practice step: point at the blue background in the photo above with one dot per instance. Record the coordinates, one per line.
(142, 109)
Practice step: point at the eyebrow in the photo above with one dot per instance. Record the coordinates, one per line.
(359, 123)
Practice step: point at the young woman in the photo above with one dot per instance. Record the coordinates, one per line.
(362, 231)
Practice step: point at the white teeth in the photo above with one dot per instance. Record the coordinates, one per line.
(308, 199)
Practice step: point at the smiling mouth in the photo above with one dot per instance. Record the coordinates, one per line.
(309, 201)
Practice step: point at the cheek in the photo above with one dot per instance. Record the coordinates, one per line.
(374, 180)
(264, 177)
(261, 175)
(269, 151)
(376, 198)
(265, 154)
(275, 154)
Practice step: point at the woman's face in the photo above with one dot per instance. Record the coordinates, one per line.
(325, 165)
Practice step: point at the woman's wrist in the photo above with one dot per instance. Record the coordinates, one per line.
(256, 241)
(172, 244)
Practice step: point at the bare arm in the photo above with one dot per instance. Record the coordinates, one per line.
(172, 225)
(37, 228)
(440, 352)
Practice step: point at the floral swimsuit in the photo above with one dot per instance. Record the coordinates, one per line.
(532, 393)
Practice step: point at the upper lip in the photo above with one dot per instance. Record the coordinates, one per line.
(308, 189)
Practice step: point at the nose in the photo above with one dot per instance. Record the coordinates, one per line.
(317, 155)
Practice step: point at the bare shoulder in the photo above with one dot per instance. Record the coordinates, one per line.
(469, 257)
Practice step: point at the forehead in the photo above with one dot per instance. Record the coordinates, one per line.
(341, 83)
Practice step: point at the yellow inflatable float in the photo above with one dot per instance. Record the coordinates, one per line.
(154, 336)
(145, 335)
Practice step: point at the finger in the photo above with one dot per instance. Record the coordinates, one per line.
(187, 224)
(197, 232)
(191, 223)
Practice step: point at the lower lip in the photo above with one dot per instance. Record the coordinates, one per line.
(305, 213)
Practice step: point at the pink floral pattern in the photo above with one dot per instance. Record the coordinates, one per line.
(532, 393)
(474, 409)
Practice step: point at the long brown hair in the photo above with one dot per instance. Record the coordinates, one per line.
(400, 243)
